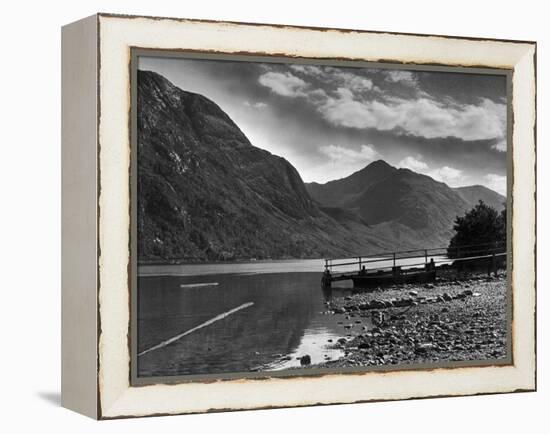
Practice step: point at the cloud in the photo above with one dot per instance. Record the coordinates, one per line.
(407, 78)
(496, 182)
(354, 82)
(259, 104)
(308, 69)
(343, 110)
(345, 99)
(342, 99)
(422, 117)
(430, 119)
(412, 163)
(447, 174)
(283, 83)
(342, 162)
(317, 96)
(347, 155)
(501, 145)
(334, 77)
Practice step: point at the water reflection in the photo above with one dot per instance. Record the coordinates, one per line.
(287, 319)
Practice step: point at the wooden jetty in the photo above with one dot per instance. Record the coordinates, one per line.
(413, 266)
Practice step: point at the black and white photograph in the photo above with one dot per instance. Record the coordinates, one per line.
(294, 216)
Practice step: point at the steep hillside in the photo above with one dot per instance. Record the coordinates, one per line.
(205, 193)
(474, 193)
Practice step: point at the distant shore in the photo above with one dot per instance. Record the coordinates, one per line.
(145, 262)
(450, 320)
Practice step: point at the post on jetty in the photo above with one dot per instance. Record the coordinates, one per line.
(326, 280)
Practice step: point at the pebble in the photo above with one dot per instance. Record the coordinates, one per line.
(305, 360)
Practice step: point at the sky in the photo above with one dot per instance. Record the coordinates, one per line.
(332, 121)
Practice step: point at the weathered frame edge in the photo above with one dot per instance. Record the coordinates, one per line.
(80, 180)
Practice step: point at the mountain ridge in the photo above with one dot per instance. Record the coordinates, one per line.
(401, 200)
(206, 193)
(474, 193)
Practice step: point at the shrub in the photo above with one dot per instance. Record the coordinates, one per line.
(481, 231)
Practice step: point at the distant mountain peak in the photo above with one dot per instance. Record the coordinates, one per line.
(337, 192)
(401, 201)
(380, 166)
(379, 163)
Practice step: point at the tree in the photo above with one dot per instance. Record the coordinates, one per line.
(482, 230)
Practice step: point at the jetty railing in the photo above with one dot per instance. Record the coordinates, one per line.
(404, 261)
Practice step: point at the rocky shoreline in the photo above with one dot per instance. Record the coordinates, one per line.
(449, 320)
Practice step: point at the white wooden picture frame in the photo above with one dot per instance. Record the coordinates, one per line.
(96, 213)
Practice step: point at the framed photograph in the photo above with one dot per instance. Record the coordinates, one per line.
(262, 216)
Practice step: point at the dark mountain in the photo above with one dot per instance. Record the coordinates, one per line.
(205, 193)
(343, 191)
(413, 208)
(474, 193)
(417, 202)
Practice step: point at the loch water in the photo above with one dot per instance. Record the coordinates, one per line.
(232, 318)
